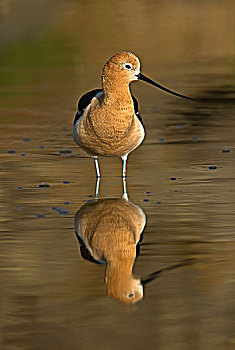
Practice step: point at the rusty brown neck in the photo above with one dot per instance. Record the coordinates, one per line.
(117, 94)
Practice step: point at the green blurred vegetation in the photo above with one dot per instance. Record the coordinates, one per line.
(18, 58)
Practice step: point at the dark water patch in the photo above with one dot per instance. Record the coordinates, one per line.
(23, 154)
(226, 150)
(44, 185)
(18, 207)
(179, 126)
(65, 182)
(212, 167)
(220, 96)
(61, 211)
(66, 203)
(154, 109)
(65, 152)
(40, 216)
(19, 188)
(41, 147)
(173, 178)
(11, 151)
(26, 139)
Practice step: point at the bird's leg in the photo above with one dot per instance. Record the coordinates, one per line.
(97, 177)
(97, 167)
(97, 187)
(124, 159)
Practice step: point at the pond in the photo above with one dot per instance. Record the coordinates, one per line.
(180, 181)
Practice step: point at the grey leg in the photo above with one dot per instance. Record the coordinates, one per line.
(124, 159)
(97, 167)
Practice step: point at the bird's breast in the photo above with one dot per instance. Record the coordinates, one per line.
(108, 131)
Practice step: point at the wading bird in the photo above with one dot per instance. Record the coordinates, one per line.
(108, 122)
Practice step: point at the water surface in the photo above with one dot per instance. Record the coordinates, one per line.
(182, 177)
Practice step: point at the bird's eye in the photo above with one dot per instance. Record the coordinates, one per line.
(130, 295)
(128, 66)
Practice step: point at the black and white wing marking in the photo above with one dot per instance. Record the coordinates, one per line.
(136, 109)
(84, 101)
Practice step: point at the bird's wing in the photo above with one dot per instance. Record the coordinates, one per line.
(84, 101)
(136, 109)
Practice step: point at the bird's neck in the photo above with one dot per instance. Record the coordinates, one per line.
(118, 95)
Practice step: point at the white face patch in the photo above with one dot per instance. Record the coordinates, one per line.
(137, 72)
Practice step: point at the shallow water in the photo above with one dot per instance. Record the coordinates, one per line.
(182, 176)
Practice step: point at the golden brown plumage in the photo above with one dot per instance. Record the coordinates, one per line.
(109, 126)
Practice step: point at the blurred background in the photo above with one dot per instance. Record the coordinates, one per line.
(182, 176)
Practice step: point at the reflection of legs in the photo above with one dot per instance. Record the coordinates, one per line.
(97, 187)
(97, 167)
(124, 159)
(124, 188)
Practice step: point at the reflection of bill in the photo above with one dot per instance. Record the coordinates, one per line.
(109, 231)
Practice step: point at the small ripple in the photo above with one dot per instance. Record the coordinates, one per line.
(60, 210)
(26, 139)
(44, 185)
(65, 152)
(17, 207)
(40, 216)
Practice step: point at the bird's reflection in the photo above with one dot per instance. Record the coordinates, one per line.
(109, 231)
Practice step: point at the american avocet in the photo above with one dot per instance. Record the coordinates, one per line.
(108, 122)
